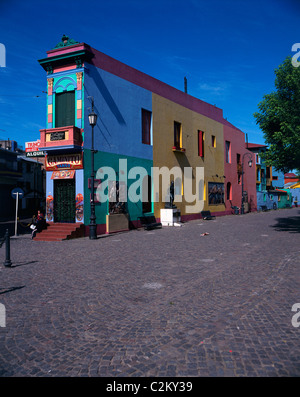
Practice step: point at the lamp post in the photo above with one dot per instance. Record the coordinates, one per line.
(92, 231)
(249, 155)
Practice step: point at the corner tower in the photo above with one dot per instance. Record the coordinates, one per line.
(62, 140)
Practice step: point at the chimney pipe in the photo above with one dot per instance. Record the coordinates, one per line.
(185, 85)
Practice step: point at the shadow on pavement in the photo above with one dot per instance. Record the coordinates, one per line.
(17, 264)
(10, 289)
(290, 224)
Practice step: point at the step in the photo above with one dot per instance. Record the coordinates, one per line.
(64, 225)
(61, 231)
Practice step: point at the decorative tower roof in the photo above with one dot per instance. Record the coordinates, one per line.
(66, 52)
(65, 41)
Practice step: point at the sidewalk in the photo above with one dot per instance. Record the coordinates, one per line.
(167, 302)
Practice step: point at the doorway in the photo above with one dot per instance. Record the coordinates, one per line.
(64, 201)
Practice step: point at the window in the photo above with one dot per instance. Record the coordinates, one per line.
(274, 178)
(228, 151)
(178, 187)
(177, 135)
(229, 195)
(213, 141)
(201, 143)
(65, 109)
(239, 167)
(146, 127)
(147, 193)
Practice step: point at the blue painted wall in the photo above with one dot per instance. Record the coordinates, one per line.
(279, 184)
(79, 184)
(296, 195)
(118, 104)
(266, 199)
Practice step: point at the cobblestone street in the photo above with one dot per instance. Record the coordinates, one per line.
(159, 303)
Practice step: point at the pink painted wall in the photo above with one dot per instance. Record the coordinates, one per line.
(66, 50)
(237, 139)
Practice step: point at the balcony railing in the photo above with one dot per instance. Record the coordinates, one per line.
(178, 149)
(69, 136)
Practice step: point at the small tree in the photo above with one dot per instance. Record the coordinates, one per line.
(279, 119)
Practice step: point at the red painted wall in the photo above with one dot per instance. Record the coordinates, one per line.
(237, 141)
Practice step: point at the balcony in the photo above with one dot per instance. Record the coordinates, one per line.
(178, 149)
(69, 137)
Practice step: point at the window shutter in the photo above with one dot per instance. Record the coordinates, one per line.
(65, 109)
(200, 144)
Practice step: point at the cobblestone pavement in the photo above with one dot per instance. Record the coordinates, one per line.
(166, 302)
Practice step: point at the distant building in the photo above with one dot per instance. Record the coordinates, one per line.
(10, 176)
(10, 145)
(277, 179)
(290, 179)
(16, 170)
(263, 172)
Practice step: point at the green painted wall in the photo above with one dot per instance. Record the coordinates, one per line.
(285, 200)
(104, 159)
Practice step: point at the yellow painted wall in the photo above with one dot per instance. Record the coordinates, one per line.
(165, 112)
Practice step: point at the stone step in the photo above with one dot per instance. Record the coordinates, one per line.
(61, 231)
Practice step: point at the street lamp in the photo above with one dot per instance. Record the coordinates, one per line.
(92, 231)
(249, 155)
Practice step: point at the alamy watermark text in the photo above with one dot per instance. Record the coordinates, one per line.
(295, 61)
(2, 56)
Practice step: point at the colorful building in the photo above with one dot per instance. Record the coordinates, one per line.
(267, 200)
(263, 171)
(239, 175)
(146, 130)
(19, 171)
(295, 192)
(277, 179)
(290, 179)
(269, 183)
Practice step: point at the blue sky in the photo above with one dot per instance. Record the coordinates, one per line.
(227, 49)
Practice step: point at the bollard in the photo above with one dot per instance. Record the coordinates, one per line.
(7, 262)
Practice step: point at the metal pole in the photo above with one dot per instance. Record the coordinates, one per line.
(93, 232)
(242, 206)
(7, 262)
(16, 223)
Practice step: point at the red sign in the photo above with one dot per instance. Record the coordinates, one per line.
(66, 174)
(64, 161)
(32, 146)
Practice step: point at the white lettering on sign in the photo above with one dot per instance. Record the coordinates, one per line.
(71, 159)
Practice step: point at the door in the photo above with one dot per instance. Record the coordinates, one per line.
(64, 201)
